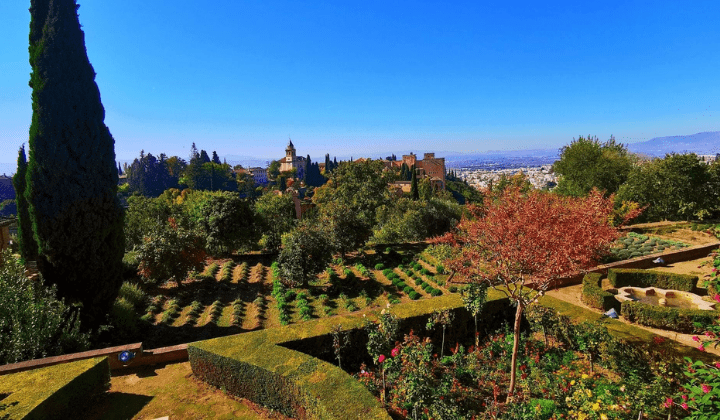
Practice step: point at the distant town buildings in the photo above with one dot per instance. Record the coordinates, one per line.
(259, 175)
(539, 176)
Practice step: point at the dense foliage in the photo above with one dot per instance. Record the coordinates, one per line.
(33, 321)
(586, 163)
(677, 187)
(26, 243)
(71, 176)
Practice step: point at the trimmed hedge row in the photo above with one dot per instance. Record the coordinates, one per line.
(675, 319)
(53, 392)
(621, 277)
(263, 367)
(594, 296)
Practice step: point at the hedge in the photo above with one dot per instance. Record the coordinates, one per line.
(621, 277)
(53, 392)
(675, 319)
(272, 367)
(594, 296)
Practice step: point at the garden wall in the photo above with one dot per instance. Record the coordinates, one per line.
(276, 368)
(685, 254)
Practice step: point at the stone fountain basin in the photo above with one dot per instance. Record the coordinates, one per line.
(627, 293)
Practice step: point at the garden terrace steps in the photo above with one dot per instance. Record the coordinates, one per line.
(296, 383)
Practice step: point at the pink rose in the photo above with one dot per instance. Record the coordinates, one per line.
(394, 352)
(696, 338)
(668, 402)
(684, 397)
(381, 358)
(717, 365)
(706, 388)
(701, 347)
(683, 405)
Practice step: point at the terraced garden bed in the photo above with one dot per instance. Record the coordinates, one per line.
(228, 297)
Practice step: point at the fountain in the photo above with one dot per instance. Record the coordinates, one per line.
(662, 297)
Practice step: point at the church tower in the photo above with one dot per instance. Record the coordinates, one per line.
(290, 153)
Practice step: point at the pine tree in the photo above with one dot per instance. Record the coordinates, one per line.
(71, 179)
(404, 172)
(216, 158)
(204, 158)
(414, 192)
(120, 172)
(26, 242)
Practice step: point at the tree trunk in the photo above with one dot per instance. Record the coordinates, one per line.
(477, 337)
(516, 345)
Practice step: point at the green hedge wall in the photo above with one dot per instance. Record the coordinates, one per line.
(675, 319)
(265, 367)
(594, 296)
(621, 277)
(53, 392)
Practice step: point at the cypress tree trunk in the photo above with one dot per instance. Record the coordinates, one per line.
(71, 176)
(414, 192)
(26, 242)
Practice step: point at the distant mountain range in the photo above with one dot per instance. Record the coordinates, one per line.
(707, 143)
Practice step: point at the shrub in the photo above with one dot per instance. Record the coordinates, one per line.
(436, 292)
(124, 318)
(379, 266)
(414, 295)
(622, 277)
(440, 269)
(453, 289)
(424, 271)
(688, 321)
(408, 289)
(133, 294)
(594, 296)
(227, 271)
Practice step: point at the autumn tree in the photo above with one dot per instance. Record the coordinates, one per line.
(532, 239)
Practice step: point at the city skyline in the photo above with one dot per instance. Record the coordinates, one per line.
(365, 79)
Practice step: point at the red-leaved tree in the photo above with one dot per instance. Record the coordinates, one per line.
(517, 240)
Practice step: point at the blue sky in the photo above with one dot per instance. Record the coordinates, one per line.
(364, 78)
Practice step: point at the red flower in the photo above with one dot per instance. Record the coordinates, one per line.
(717, 297)
(706, 388)
(668, 402)
(684, 397)
(701, 347)
(683, 405)
(696, 338)
(381, 358)
(717, 365)
(658, 339)
(394, 352)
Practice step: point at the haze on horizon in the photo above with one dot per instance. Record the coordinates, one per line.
(367, 78)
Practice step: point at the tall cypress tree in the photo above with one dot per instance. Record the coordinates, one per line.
(26, 242)
(414, 192)
(71, 180)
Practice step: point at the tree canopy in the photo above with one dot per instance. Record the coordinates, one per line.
(586, 163)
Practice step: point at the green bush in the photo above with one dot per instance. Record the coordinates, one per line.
(453, 289)
(408, 290)
(621, 277)
(414, 295)
(379, 266)
(594, 296)
(688, 321)
(133, 294)
(124, 318)
(386, 272)
(33, 322)
(436, 292)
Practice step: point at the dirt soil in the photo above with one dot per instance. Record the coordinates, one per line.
(152, 392)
